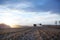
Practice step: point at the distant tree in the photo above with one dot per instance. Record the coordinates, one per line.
(56, 22)
(59, 22)
(34, 25)
(40, 24)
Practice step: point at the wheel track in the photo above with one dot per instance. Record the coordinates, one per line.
(41, 31)
(17, 33)
(25, 33)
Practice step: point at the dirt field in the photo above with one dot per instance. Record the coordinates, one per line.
(30, 33)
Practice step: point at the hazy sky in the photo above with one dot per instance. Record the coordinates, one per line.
(27, 12)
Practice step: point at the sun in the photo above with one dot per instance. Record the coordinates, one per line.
(9, 22)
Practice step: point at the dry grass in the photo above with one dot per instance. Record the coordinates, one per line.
(30, 33)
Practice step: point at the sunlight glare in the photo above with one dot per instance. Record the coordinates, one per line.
(9, 22)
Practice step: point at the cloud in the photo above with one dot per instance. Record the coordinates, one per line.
(26, 12)
(33, 5)
(27, 18)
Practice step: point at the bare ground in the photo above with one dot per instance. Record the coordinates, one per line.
(30, 33)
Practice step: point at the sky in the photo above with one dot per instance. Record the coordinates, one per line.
(28, 12)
